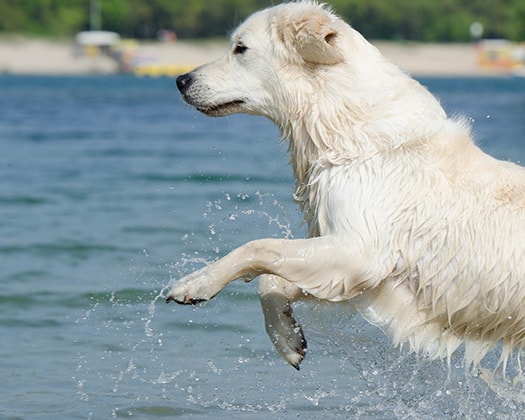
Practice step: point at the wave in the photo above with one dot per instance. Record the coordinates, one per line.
(75, 249)
(22, 200)
(198, 178)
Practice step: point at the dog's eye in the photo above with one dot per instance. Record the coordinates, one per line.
(240, 49)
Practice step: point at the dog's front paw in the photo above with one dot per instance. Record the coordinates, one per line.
(182, 295)
(194, 288)
(284, 331)
(290, 343)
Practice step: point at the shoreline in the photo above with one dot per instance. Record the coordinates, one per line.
(38, 56)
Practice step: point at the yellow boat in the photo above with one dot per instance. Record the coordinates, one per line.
(159, 69)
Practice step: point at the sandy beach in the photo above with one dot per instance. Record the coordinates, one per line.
(41, 56)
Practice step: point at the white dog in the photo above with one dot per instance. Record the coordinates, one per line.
(406, 216)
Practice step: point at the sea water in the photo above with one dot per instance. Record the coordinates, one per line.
(111, 186)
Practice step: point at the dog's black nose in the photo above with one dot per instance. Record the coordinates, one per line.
(184, 81)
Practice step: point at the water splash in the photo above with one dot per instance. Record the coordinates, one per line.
(146, 360)
(269, 209)
(214, 359)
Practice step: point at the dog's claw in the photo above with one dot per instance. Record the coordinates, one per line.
(186, 301)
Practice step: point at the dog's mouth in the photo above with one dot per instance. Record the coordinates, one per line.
(217, 110)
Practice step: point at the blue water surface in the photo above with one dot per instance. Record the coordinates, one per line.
(110, 186)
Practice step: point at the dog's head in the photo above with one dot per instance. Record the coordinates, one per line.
(269, 51)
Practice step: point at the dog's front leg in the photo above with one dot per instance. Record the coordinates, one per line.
(326, 267)
(276, 295)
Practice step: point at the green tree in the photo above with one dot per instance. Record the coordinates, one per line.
(425, 20)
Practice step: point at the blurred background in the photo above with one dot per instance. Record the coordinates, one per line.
(416, 20)
(490, 33)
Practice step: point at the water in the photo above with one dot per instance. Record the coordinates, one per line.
(110, 186)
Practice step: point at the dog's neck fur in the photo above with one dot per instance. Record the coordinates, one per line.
(318, 140)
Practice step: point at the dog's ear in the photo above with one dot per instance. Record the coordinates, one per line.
(314, 37)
